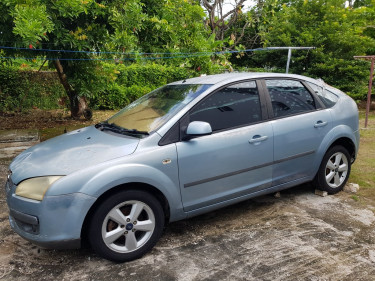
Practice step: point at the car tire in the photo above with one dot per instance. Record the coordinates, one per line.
(126, 225)
(334, 170)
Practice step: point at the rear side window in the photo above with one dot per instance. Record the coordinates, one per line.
(289, 97)
(230, 107)
(328, 98)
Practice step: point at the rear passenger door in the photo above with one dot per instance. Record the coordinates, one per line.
(299, 125)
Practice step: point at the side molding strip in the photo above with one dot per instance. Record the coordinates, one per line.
(190, 184)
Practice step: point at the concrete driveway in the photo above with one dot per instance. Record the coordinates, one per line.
(300, 236)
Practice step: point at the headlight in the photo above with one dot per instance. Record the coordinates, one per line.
(35, 188)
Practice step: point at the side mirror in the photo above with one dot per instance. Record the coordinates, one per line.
(198, 128)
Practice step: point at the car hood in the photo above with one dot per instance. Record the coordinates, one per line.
(70, 152)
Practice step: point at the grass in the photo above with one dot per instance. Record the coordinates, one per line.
(363, 170)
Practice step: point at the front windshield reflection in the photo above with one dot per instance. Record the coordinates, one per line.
(153, 110)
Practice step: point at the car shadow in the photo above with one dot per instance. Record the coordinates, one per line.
(231, 213)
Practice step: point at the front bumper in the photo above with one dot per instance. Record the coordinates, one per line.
(56, 222)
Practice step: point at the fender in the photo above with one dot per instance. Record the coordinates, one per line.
(95, 182)
(340, 131)
(138, 173)
(128, 173)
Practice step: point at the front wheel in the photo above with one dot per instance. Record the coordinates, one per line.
(126, 225)
(334, 170)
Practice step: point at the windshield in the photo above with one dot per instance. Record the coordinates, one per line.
(153, 110)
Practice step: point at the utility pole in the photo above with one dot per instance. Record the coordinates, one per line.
(372, 59)
(289, 53)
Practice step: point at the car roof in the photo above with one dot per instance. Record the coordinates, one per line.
(237, 76)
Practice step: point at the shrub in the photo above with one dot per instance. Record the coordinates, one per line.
(127, 83)
(22, 90)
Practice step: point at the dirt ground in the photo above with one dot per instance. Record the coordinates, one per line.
(299, 236)
(42, 119)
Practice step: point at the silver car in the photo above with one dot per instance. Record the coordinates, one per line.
(187, 148)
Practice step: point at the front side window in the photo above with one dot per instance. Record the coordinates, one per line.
(230, 107)
(289, 97)
(151, 111)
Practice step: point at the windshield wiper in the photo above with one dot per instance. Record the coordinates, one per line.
(110, 127)
(135, 131)
(117, 129)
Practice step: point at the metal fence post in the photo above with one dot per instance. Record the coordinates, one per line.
(372, 58)
(288, 61)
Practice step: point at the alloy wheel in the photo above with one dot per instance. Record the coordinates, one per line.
(128, 226)
(336, 169)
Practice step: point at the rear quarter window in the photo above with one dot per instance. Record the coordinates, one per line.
(328, 98)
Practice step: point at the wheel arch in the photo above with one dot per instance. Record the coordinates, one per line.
(344, 141)
(348, 144)
(339, 177)
(339, 135)
(127, 186)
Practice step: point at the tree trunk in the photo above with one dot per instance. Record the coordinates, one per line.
(219, 20)
(77, 105)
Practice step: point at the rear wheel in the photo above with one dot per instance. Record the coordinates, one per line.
(334, 170)
(126, 225)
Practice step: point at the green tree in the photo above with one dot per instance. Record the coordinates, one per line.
(101, 25)
(175, 27)
(61, 24)
(338, 33)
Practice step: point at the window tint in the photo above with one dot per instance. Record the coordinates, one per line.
(289, 97)
(328, 98)
(232, 106)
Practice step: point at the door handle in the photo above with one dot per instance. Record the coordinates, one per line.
(320, 124)
(258, 138)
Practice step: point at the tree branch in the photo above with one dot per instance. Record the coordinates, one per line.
(238, 39)
(207, 5)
